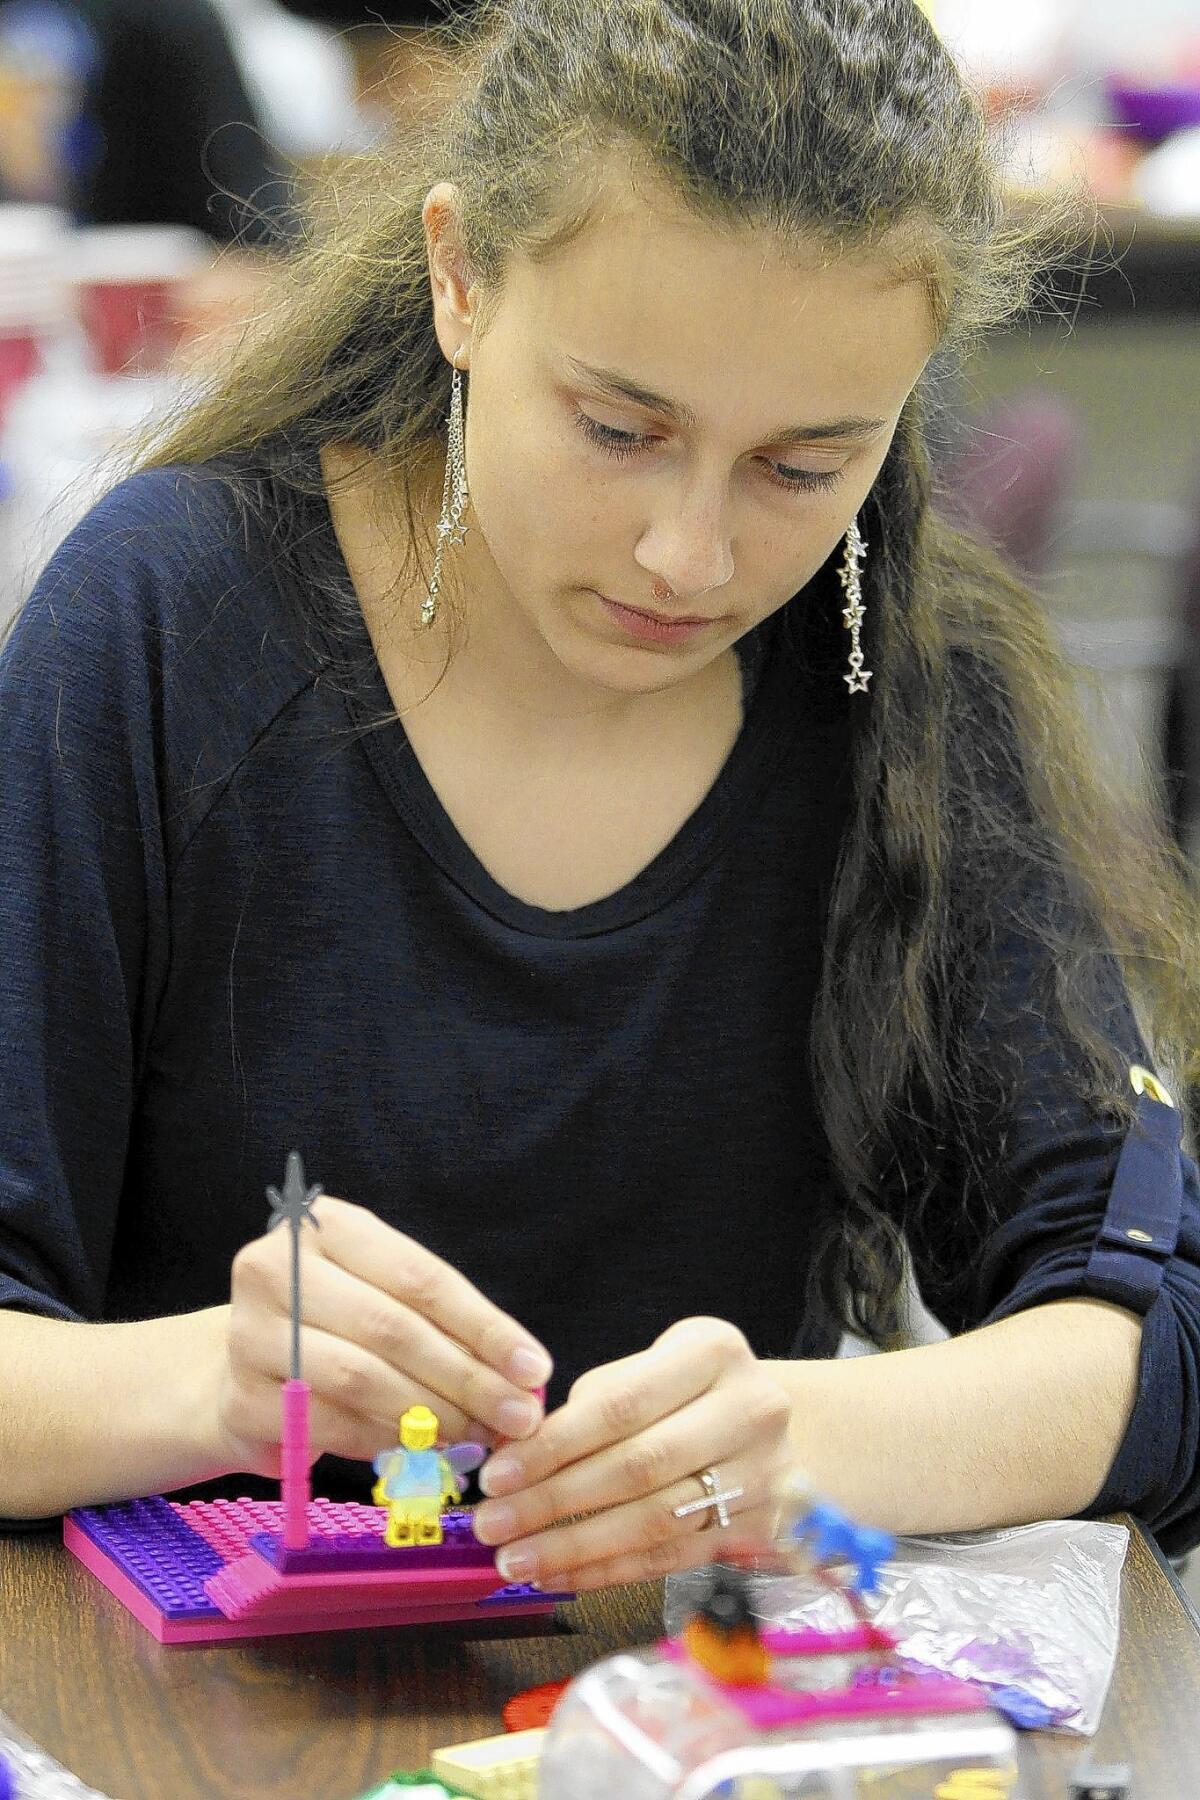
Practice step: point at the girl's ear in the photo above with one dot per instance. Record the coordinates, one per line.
(450, 277)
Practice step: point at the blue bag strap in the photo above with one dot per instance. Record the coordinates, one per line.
(1140, 1228)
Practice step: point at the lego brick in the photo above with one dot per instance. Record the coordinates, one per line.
(495, 1768)
(251, 1588)
(422, 1786)
(533, 1706)
(367, 1550)
(518, 1591)
(781, 1641)
(772, 1709)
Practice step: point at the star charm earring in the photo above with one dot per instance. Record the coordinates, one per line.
(451, 531)
(850, 576)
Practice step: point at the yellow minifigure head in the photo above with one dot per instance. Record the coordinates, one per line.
(418, 1428)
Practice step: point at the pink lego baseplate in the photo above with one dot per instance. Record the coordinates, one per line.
(206, 1571)
(218, 1569)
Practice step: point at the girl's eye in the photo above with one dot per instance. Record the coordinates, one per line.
(628, 443)
(617, 443)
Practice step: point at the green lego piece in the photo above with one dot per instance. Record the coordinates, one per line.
(399, 1787)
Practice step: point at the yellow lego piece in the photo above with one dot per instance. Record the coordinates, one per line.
(976, 1784)
(495, 1768)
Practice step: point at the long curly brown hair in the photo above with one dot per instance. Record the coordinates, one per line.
(980, 809)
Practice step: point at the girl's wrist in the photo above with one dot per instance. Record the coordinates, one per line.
(179, 1427)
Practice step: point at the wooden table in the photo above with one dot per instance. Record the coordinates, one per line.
(324, 1717)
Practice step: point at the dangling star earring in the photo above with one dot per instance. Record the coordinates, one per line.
(850, 576)
(450, 529)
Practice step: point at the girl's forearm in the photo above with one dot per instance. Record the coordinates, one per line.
(91, 1413)
(1017, 1421)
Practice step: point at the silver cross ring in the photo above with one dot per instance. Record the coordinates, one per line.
(713, 1497)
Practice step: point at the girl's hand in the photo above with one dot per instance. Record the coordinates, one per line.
(386, 1325)
(626, 1450)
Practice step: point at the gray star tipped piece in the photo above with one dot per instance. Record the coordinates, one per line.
(294, 1204)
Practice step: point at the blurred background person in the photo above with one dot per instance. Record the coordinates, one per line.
(134, 112)
(144, 216)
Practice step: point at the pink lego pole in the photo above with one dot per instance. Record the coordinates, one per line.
(294, 1465)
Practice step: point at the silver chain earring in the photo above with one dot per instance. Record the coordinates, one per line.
(450, 528)
(850, 576)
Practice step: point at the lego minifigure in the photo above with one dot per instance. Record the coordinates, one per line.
(721, 1634)
(418, 1482)
(817, 1535)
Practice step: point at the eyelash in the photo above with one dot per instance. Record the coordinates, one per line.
(627, 443)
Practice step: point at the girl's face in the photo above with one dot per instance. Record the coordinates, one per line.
(663, 406)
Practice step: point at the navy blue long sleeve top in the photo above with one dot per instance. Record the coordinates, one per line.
(237, 920)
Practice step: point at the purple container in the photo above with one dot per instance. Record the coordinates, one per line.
(8, 1788)
(1154, 113)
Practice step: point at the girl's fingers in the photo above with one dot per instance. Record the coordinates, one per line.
(644, 1534)
(386, 1259)
(343, 1375)
(724, 1421)
(627, 1451)
(608, 1407)
(396, 1311)
(362, 1316)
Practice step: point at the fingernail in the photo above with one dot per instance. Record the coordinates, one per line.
(492, 1524)
(517, 1417)
(530, 1367)
(502, 1475)
(516, 1565)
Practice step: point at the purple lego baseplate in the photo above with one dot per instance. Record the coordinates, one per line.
(165, 1560)
(158, 1550)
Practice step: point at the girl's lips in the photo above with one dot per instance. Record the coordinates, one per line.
(652, 628)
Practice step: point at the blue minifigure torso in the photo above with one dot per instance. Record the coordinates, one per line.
(412, 1473)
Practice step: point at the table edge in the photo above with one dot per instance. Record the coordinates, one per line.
(1173, 1582)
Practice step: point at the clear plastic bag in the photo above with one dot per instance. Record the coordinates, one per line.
(1031, 1613)
(35, 1774)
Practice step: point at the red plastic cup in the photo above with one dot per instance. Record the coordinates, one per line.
(128, 284)
(133, 326)
(20, 357)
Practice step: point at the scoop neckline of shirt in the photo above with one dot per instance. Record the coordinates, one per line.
(769, 726)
